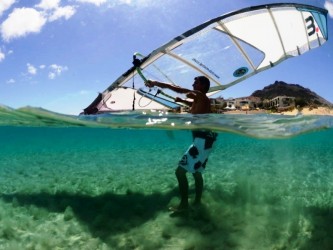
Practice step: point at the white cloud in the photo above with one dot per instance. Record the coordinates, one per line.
(42, 66)
(56, 70)
(2, 56)
(11, 81)
(96, 2)
(54, 11)
(133, 3)
(31, 69)
(48, 4)
(52, 75)
(329, 6)
(84, 92)
(21, 22)
(65, 12)
(5, 5)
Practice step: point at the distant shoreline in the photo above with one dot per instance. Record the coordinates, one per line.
(310, 111)
(247, 112)
(304, 111)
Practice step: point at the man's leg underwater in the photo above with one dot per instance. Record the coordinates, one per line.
(183, 187)
(198, 187)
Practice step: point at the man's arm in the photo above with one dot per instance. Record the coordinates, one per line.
(188, 103)
(163, 85)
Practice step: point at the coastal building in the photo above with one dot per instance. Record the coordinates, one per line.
(241, 103)
(246, 103)
(279, 103)
(230, 104)
(282, 103)
(217, 104)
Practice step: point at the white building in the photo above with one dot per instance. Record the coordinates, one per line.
(282, 102)
(230, 104)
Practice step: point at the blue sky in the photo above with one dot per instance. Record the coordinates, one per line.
(59, 54)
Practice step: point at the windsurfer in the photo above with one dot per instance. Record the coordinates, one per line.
(195, 158)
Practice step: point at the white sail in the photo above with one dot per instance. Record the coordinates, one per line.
(227, 49)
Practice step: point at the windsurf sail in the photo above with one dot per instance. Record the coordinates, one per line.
(227, 49)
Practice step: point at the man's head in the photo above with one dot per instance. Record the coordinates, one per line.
(201, 83)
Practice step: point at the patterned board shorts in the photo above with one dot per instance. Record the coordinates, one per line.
(196, 157)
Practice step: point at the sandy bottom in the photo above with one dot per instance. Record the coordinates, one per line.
(235, 215)
(259, 194)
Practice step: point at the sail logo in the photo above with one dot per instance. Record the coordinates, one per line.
(205, 67)
(311, 26)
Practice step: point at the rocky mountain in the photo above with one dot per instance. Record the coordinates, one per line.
(303, 96)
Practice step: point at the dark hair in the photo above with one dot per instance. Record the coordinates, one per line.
(205, 81)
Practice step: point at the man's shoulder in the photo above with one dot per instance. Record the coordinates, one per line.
(199, 93)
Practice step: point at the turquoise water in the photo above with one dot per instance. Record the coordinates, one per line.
(105, 182)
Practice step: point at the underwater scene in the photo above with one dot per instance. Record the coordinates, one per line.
(106, 181)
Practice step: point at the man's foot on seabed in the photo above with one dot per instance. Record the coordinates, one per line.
(178, 208)
(179, 211)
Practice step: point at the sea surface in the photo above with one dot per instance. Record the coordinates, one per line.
(106, 181)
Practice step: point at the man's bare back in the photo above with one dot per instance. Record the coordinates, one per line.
(200, 103)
